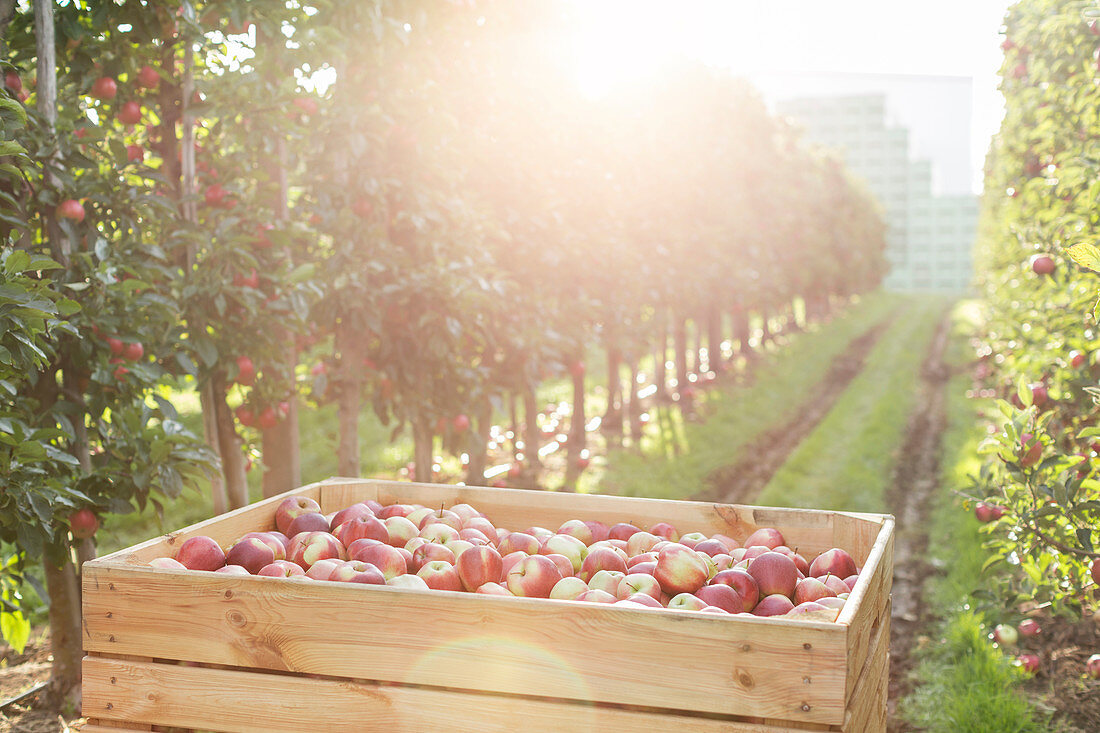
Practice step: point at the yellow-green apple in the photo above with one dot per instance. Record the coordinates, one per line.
(1029, 627)
(366, 527)
(644, 557)
(430, 552)
(465, 512)
(309, 547)
(493, 589)
(1006, 635)
(413, 582)
(569, 589)
(602, 558)
(438, 532)
(251, 554)
(577, 528)
(691, 539)
(709, 547)
(281, 569)
(738, 554)
(774, 573)
(307, 522)
(712, 567)
(606, 580)
(640, 542)
(810, 589)
(352, 512)
(533, 577)
(479, 565)
(387, 559)
(395, 510)
(442, 516)
(201, 553)
(599, 530)
(166, 563)
(291, 507)
(323, 569)
(233, 570)
(597, 596)
(458, 546)
(766, 537)
(687, 602)
(740, 581)
(645, 600)
(722, 596)
(400, 530)
(634, 583)
(417, 515)
(679, 570)
(520, 541)
(565, 567)
(357, 571)
(1029, 662)
(666, 530)
(440, 575)
(833, 562)
(773, 605)
(622, 531)
(571, 547)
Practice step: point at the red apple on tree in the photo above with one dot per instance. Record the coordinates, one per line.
(104, 88)
(13, 82)
(1042, 264)
(246, 371)
(83, 523)
(148, 77)
(129, 113)
(71, 209)
(1029, 662)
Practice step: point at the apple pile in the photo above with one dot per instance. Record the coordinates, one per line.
(459, 549)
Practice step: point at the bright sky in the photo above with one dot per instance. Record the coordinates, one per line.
(937, 37)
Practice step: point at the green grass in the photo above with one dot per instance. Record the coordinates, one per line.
(848, 460)
(962, 682)
(676, 459)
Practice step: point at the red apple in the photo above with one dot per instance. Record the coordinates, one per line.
(520, 541)
(599, 530)
(773, 605)
(565, 565)
(475, 536)
(439, 532)
(357, 571)
(201, 553)
(148, 77)
(430, 552)
(251, 553)
(634, 583)
(363, 527)
(129, 113)
(722, 596)
(1029, 627)
(307, 522)
(395, 510)
(440, 575)
(1029, 662)
(1031, 450)
(835, 562)
(1042, 264)
(412, 582)
(281, 569)
(493, 589)
(644, 557)
(691, 539)
(71, 209)
(483, 525)
(477, 566)
(1094, 571)
(622, 531)
(640, 542)
(665, 530)
(400, 530)
(577, 528)
(1092, 666)
(324, 569)
(774, 573)
(461, 423)
(307, 548)
(442, 516)
(766, 537)
(387, 559)
(729, 542)
(712, 548)
(601, 559)
(104, 88)
(233, 570)
(511, 560)
(810, 589)
(291, 507)
(83, 523)
(742, 582)
(680, 570)
(645, 600)
(606, 580)
(539, 533)
(13, 81)
(835, 584)
(688, 602)
(597, 596)
(534, 577)
(851, 581)
(166, 563)
(135, 153)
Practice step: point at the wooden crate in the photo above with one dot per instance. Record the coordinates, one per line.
(228, 653)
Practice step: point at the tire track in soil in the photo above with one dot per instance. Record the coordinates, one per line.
(740, 482)
(911, 497)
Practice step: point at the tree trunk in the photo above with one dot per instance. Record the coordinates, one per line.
(660, 356)
(695, 338)
(422, 450)
(632, 409)
(531, 433)
(229, 445)
(479, 442)
(349, 395)
(577, 435)
(513, 416)
(210, 433)
(765, 327)
(679, 343)
(66, 643)
(612, 422)
(714, 338)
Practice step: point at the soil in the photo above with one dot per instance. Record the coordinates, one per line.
(20, 673)
(911, 498)
(1060, 685)
(740, 482)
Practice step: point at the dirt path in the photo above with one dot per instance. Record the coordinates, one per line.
(911, 498)
(740, 482)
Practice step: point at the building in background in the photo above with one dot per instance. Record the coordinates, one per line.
(930, 209)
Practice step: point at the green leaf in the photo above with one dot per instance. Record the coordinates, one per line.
(15, 629)
(1023, 391)
(1085, 255)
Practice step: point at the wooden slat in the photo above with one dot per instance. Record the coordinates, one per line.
(516, 509)
(108, 728)
(225, 528)
(732, 666)
(239, 701)
(867, 708)
(864, 612)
